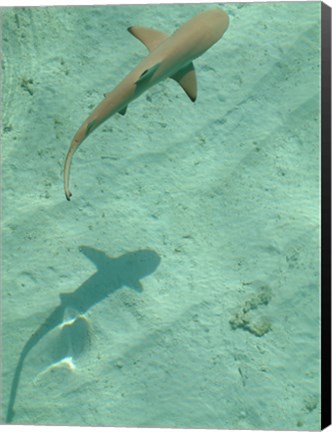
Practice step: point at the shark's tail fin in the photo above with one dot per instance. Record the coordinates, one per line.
(87, 127)
(67, 172)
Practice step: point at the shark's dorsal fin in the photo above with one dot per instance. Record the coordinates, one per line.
(186, 77)
(150, 37)
(147, 73)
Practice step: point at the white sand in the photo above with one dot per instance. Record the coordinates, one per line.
(225, 191)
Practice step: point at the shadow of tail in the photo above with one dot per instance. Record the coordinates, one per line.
(50, 323)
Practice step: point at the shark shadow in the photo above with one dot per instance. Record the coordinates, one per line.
(111, 275)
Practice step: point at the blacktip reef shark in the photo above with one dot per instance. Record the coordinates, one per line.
(169, 57)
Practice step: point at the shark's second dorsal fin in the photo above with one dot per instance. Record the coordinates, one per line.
(150, 37)
(186, 77)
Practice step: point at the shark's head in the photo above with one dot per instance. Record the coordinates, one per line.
(216, 21)
(137, 265)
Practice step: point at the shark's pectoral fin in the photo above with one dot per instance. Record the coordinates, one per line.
(97, 257)
(150, 37)
(124, 110)
(147, 74)
(186, 77)
(135, 284)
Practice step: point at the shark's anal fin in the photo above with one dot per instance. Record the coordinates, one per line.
(124, 110)
(149, 37)
(147, 74)
(186, 77)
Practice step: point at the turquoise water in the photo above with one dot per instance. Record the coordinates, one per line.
(180, 286)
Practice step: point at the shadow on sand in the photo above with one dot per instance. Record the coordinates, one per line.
(111, 275)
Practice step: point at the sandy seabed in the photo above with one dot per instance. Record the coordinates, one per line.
(180, 286)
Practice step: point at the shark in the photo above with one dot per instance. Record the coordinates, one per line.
(169, 57)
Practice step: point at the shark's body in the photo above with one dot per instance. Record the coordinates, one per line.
(170, 56)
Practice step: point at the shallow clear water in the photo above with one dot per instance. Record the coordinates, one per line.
(180, 286)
